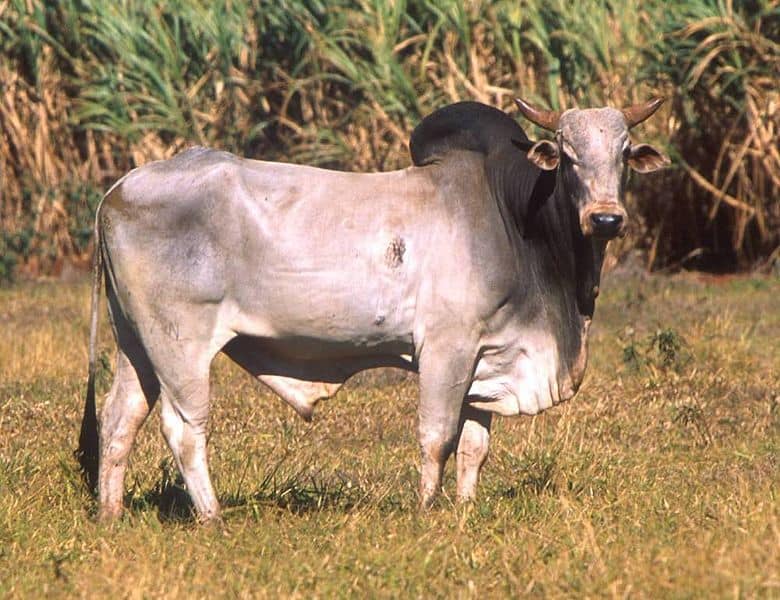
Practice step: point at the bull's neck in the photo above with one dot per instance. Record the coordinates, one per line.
(573, 260)
(564, 267)
(588, 261)
(553, 259)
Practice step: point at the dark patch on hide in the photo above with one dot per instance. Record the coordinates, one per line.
(394, 256)
(556, 263)
(464, 126)
(519, 185)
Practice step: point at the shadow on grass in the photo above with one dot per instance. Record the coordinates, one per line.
(298, 493)
(169, 496)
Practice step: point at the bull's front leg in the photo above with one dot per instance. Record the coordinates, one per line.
(472, 451)
(444, 381)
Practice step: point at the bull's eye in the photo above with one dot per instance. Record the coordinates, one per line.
(575, 162)
(626, 152)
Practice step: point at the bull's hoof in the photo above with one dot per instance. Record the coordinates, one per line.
(465, 499)
(109, 515)
(214, 523)
(427, 500)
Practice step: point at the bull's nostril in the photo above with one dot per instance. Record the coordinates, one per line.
(606, 220)
(606, 225)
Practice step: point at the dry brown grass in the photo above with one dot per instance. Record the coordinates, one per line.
(660, 479)
(725, 128)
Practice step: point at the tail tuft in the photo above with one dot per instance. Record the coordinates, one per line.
(87, 453)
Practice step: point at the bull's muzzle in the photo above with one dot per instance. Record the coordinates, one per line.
(604, 223)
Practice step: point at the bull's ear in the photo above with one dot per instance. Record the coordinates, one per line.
(544, 154)
(643, 158)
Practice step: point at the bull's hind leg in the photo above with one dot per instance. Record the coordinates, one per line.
(181, 340)
(131, 398)
(133, 393)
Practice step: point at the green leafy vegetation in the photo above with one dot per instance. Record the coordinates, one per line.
(599, 496)
(92, 88)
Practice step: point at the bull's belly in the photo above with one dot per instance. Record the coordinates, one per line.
(303, 382)
(311, 322)
(317, 296)
(331, 364)
(310, 349)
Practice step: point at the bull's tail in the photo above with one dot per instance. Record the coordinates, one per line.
(87, 452)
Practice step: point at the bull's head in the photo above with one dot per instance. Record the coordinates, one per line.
(591, 151)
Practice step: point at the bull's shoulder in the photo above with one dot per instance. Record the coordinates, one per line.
(459, 179)
(452, 169)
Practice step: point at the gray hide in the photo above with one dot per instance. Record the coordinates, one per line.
(306, 276)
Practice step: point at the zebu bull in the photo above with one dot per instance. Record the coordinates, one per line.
(478, 267)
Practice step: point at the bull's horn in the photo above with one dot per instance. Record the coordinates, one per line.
(639, 112)
(548, 119)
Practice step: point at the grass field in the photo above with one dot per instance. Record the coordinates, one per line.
(661, 479)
